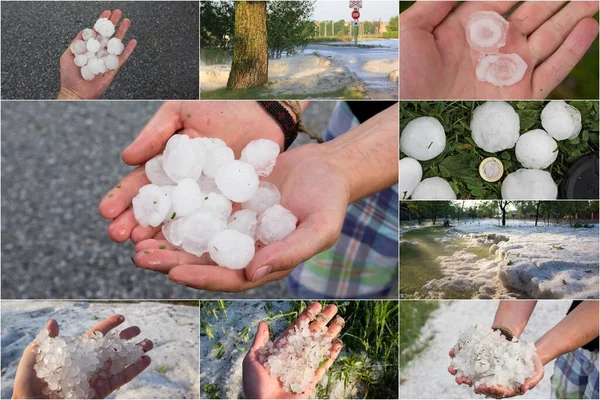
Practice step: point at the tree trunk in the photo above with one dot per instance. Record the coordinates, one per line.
(503, 208)
(250, 66)
(537, 212)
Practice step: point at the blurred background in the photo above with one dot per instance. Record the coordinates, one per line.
(582, 82)
(58, 160)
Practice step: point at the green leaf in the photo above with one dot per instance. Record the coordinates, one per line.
(456, 166)
(528, 118)
(505, 156)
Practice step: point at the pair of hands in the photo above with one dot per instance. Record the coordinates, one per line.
(437, 62)
(73, 86)
(312, 187)
(258, 383)
(500, 392)
(28, 386)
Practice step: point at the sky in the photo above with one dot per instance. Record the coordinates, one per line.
(340, 9)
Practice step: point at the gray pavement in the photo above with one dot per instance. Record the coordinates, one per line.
(58, 160)
(164, 65)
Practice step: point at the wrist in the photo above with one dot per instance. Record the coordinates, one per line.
(67, 94)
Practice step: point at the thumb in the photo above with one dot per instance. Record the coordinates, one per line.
(52, 327)
(154, 134)
(310, 237)
(262, 336)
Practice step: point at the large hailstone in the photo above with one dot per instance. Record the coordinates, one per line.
(487, 31)
(103, 40)
(261, 154)
(423, 138)
(78, 47)
(216, 203)
(115, 46)
(433, 189)
(410, 174)
(86, 73)
(217, 157)
(198, 229)
(501, 69)
(184, 158)
(561, 120)
(104, 27)
(111, 61)
(495, 126)
(187, 198)
(232, 249)
(92, 45)
(151, 205)
(529, 184)
(536, 149)
(80, 60)
(96, 66)
(88, 34)
(266, 195)
(237, 181)
(275, 224)
(156, 173)
(243, 221)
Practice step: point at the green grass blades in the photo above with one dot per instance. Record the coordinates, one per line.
(413, 315)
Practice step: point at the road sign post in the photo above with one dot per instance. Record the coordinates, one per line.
(355, 5)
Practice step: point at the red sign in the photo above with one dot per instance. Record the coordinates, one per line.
(355, 14)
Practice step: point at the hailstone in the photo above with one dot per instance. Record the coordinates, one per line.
(80, 60)
(86, 73)
(275, 224)
(410, 174)
(423, 138)
(266, 195)
(261, 154)
(529, 184)
(115, 46)
(186, 198)
(501, 69)
(217, 157)
(561, 120)
(244, 221)
(237, 180)
(216, 203)
(487, 31)
(88, 34)
(90, 56)
(184, 158)
(111, 61)
(97, 66)
(198, 229)
(78, 47)
(231, 248)
(536, 149)
(495, 126)
(104, 27)
(433, 189)
(92, 45)
(156, 173)
(102, 53)
(151, 205)
(103, 40)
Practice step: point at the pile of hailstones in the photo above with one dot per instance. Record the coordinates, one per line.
(194, 183)
(97, 52)
(295, 358)
(486, 34)
(487, 358)
(495, 127)
(68, 364)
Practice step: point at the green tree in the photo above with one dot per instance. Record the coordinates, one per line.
(216, 23)
(289, 26)
(393, 24)
(340, 28)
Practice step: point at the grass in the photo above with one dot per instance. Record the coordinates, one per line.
(265, 93)
(214, 55)
(459, 162)
(413, 315)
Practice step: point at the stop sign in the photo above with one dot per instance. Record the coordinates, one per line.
(355, 14)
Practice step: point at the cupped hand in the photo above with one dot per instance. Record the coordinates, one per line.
(72, 83)
(500, 392)
(312, 187)
(259, 384)
(436, 61)
(236, 123)
(28, 386)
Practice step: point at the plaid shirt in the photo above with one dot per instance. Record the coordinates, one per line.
(576, 375)
(363, 263)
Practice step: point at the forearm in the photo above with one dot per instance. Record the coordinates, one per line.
(367, 154)
(67, 94)
(514, 315)
(575, 330)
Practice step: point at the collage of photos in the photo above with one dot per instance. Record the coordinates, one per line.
(499, 242)
(293, 199)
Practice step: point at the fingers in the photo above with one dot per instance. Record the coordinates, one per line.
(119, 198)
(115, 17)
(262, 336)
(163, 261)
(120, 34)
(336, 348)
(426, 14)
(146, 345)
(107, 325)
(335, 327)
(105, 14)
(310, 237)
(308, 314)
(140, 233)
(532, 14)
(452, 353)
(154, 135)
(129, 373)
(555, 69)
(130, 333)
(323, 318)
(124, 56)
(551, 35)
(52, 328)
(121, 227)
(154, 244)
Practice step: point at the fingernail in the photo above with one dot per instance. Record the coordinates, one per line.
(121, 318)
(261, 273)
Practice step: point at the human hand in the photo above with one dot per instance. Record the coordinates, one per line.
(500, 392)
(437, 62)
(312, 187)
(259, 384)
(28, 386)
(236, 123)
(73, 86)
